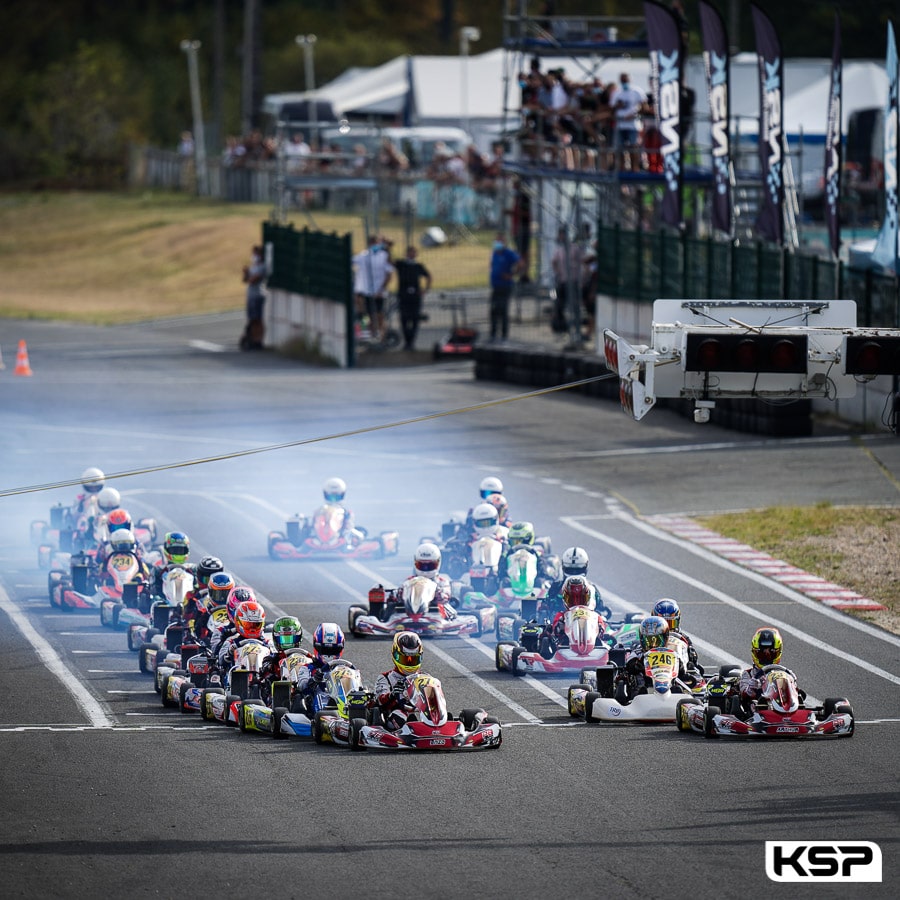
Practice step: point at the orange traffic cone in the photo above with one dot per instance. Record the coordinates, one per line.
(22, 365)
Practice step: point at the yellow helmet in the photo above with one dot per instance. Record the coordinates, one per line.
(406, 651)
(766, 647)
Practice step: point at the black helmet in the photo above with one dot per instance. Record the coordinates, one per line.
(208, 566)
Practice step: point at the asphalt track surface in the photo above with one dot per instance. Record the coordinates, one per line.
(105, 793)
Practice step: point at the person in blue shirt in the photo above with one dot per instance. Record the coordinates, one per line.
(505, 263)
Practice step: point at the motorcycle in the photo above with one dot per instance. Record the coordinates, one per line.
(413, 607)
(780, 712)
(321, 536)
(610, 693)
(429, 726)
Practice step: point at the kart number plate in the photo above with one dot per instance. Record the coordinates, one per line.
(438, 742)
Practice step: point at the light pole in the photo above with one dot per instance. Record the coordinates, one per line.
(307, 42)
(466, 34)
(191, 48)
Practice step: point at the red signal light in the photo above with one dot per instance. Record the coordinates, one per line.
(872, 355)
(752, 353)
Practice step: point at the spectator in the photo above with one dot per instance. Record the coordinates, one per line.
(390, 159)
(520, 221)
(627, 102)
(373, 271)
(505, 263)
(186, 145)
(410, 293)
(567, 264)
(254, 275)
(296, 153)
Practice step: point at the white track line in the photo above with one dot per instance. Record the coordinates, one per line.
(86, 702)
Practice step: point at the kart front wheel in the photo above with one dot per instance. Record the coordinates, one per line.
(514, 661)
(356, 727)
(278, 714)
(590, 698)
(709, 722)
(682, 722)
(470, 718)
(575, 687)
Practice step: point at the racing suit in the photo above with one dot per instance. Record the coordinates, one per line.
(390, 697)
(750, 688)
(443, 593)
(552, 604)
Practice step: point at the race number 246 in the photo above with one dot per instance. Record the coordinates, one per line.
(812, 861)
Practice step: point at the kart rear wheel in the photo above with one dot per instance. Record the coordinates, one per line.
(182, 693)
(203, 712)
(682, 723)
(589, 699)
(318, 728)
(164, 694)
(709, 723)
(142, 657)
(356, 727)
(575, 687)
(275, 537)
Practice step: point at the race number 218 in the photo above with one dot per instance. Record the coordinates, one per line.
(811, 861)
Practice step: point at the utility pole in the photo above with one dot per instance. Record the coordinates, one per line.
(191, 48)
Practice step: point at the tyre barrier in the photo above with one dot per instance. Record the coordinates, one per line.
(537, 368)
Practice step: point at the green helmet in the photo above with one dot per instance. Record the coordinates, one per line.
(521, 533)
(287, 633)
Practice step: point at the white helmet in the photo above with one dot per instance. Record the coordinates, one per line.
(334, 490)
(490, 485)
(122, 541)
(574, 561)
(109, 499)
(92, 480)
(484, 517)
(427, 560)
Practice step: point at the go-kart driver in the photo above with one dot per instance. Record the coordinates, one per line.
(116, 520)
(574, 561)
(176, 548)
(92, 480)
(391, 686)
(236, 597)
(107, 500)
(334, 490)
(521, 537)
(653, 632)
(668, 609)
(427, 563)
(249, 622)
(328, 649)
(765, 650)
(287, 633)
(198, 608)
(123, 541)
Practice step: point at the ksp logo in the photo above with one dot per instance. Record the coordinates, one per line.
(857, 861)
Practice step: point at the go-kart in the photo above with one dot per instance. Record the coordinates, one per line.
(429, 726)
(78, 535)
(241, 682)
(320, 536)
(610, 693)
(780, 712)
(177, 584)
(84, 587)
(539, 649)
(132, 607)
(326, 709)
(413, 607)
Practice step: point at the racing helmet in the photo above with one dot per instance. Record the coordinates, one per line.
(334, 490)
(287, 633)
(521, 533)
(484, 517)
(208, 566)
(250, 619)
(122, 541)
(578, 591)
(490, 485)
(109, 499)
(765, 647)
(219, 588)
(406, 650)
(668, 609)
(117, 519)
(574, 561)
(92, 480)
(328, 642)
(238, 596)
(498, 501)
(653, 631)
(176, 547)
(427, 560)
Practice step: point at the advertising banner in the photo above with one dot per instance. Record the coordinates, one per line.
(887, 247)
(715, 60)
(833, 145)
(770, 221)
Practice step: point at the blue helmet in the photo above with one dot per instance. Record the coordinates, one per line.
(328, 642)
(653, 631)
(668, 609)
